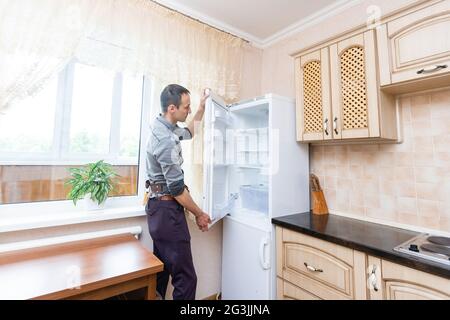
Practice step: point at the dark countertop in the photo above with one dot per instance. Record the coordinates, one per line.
(372, 238)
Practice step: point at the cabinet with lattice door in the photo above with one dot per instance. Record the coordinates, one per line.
(313, 101)
(346, 103)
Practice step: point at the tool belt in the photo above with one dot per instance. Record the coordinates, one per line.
(155, 188)
(158, 187)
(164, 198)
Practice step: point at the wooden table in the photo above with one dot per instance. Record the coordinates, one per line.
(88, 269)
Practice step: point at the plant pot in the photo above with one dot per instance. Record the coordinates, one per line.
(90, 205)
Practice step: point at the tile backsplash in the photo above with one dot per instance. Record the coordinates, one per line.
(408, 183)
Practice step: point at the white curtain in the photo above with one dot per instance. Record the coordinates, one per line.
(141, 36)
(37, 39)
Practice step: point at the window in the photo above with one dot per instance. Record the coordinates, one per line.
(84, 114)
(28, 126)
(91, 106)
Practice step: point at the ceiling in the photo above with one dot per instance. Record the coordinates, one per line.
(261, 22)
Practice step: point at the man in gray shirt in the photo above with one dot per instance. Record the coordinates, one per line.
(169, 195)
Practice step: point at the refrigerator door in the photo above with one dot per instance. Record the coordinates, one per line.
(216, 199)
(246, 265)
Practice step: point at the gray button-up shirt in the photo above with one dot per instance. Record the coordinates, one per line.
(164, 156)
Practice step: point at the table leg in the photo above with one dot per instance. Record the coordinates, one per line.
(151, 288)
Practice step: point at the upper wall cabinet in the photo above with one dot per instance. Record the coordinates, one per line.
(414, 49)
(345, 71)
(314, 101)
(354, 87)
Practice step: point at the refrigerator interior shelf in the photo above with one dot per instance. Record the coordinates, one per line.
(244, 166)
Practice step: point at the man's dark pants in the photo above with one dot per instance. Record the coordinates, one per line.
(171, 244)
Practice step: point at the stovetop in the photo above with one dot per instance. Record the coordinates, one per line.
(426, 246)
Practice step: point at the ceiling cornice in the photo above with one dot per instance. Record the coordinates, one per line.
(309, 21)
(298, 26)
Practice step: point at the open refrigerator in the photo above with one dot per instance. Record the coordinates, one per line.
(254, 170)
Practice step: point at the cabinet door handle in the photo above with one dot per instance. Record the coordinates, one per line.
(373, 278)
(325, 126)
(433, 69)
(311, 268)
(335, 125)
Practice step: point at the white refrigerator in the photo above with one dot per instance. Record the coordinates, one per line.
(254, 170)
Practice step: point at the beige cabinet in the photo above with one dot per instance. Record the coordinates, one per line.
(314, 101)
(310, 268)
(415, 48)
(391, 281)
(357, 108)
(354, 87)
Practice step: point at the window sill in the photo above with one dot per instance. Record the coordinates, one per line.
(68, 218)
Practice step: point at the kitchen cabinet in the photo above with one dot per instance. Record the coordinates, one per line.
(414, 48)
(310, 268)
(392, 281)
(346, 104)
(314, 100)
(347, 86)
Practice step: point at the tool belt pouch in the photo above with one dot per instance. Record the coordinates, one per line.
(156, 188)
(146, 193)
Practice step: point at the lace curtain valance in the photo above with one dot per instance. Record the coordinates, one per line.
(38, 38)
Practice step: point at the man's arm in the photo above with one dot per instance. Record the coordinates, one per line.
(175, 180)
(201, 218)
(200, 112)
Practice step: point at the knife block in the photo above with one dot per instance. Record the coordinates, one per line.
(319, 205)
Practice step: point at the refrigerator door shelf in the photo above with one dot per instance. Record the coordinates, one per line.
(222, 116)
(222, 209)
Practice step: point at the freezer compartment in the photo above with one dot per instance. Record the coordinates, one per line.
(246, 260)
(255, 198)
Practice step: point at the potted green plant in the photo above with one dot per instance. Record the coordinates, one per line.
(92, 182)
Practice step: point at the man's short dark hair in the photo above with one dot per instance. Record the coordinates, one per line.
(172, 95)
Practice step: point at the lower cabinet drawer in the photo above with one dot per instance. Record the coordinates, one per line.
(326, 268)
(288, 291)
(316, 288)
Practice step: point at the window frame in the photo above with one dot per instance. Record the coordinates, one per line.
(55, 208)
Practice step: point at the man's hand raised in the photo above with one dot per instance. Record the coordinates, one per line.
(205, 96)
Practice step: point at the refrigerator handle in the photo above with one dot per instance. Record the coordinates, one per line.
(264, 264)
